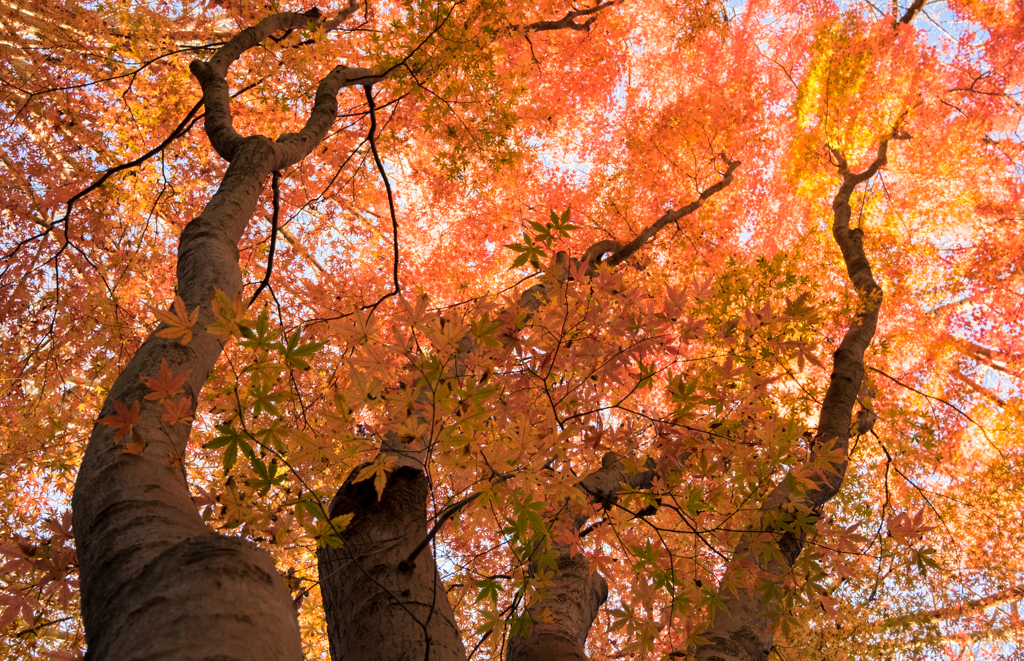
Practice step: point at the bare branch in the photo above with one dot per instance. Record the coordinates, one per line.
(988, 357)
(446, 513)
(275, 185)
(912, 12)
(673, 216)
(183, 127)
(576, 592)
(1009, 595)
(387, 186)
(325, 110)
(568, 22)
(212, 77)
(351, 8)
(977, 387)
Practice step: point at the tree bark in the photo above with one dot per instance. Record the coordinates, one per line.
(743, 630)
(576, 593)
(155, 583)
(378, 605)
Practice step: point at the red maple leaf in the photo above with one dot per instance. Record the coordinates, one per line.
(165, 384)
(123, 419)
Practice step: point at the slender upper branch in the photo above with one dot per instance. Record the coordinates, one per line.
(912, 12)
(568, 22)
(275, 217)
(674, 215)
(371, 138)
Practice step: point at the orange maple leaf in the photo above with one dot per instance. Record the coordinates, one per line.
(136, 445)
(123, 419)
(165, 384)
(179, 320)
(178, 411)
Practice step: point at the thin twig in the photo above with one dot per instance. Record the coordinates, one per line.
(387, 186)
(275, 184)
(447, 513)
(956, 408)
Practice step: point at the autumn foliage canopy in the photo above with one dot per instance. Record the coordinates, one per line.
(633, 329)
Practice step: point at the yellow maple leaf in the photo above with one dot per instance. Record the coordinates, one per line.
(318, 449)
(327, 533)
(378, 470)
(228, 314)
(179, 320)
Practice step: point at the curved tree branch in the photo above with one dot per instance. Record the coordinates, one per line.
(145, 554)
(568, 22)
(675, 215)
(743, 630)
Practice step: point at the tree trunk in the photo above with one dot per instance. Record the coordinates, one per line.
(743, 630)
(155, 582)
(378, 608)
(561, 632)
(378, 605)
(562, 622)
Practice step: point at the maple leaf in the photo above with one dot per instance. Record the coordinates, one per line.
(179, 320)
(907, 530)
(134, 446)
(19, 602)
(317, 449)
(123, 419)
(326, 533)
(165, 384)
(178, 411)
(378, 470)
(228, 313)
(851, 78)
(358, 329)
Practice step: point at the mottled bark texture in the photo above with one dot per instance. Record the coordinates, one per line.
(742, 631)
(576, 593)
(576, 597)
(155, 583)
(377, 605)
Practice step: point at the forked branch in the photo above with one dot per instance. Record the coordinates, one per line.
(743, 630)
